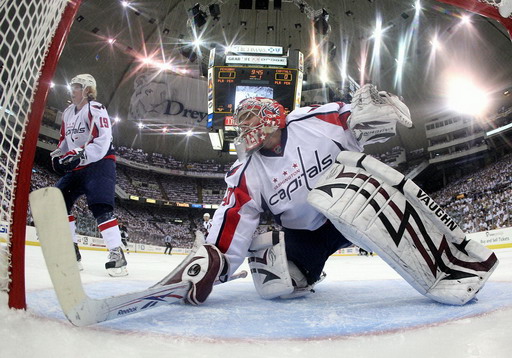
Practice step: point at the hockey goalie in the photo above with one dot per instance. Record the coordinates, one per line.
(307, 169)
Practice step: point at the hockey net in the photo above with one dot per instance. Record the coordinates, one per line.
(487, 8)
(33, 35)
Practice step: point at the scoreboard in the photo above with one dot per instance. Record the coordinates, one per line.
(228, 84)
(232, 84)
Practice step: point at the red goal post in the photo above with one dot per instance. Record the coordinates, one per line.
(33, 36)
(487, 8)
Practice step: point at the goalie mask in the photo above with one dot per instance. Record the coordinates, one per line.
(256, 119)
(86, 81)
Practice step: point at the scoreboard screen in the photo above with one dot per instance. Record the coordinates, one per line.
(231, 84)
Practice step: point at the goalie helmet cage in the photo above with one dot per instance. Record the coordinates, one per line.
(487, 8)
(33, 37)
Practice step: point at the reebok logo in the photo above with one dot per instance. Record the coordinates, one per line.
(126, 311)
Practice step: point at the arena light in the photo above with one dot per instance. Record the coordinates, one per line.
(198, 42)
(465, 19)
(117, 119)
(52, 84)
(111, 41)
(378, 32)
(140, 125)
(164, 66)
(464, 96)
(228, 49)
(324, 74)
(400, 62)
(417, 6)
(498, 130)
(436, 45)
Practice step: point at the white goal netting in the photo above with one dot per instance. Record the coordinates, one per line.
(26, 30)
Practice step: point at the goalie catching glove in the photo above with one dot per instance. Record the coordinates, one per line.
(377, 208)
(375, 114)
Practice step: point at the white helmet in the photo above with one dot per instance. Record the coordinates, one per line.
(206, 216)
(85, 80)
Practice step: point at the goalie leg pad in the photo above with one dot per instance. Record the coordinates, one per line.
(376, 207)
(269, 265)
(272, 273)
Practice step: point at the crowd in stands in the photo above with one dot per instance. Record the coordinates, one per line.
(393, 158)
(478, 202)
(168, 162)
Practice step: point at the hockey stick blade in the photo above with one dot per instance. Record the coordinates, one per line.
(50, 217)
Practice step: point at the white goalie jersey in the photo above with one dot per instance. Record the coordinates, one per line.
(312, 139)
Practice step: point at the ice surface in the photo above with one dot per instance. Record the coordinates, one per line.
(362, 309)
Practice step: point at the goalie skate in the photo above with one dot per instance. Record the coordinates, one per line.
(375, 207)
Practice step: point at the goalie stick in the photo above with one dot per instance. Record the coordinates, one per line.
(50, 218)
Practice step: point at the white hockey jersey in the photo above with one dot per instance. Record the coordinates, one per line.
(89, 128)
(312, 139)
(207, 225)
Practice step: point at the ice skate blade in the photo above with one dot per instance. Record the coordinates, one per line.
(117, 271)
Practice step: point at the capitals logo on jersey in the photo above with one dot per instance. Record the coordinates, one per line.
(298, 177)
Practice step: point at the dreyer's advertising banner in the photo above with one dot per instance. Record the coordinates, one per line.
(165, 98)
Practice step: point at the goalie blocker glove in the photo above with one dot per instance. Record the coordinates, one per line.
(201, 269)
(375, 114)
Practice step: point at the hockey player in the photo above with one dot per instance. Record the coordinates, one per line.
(306, 169)
(86, 159)
(207, 223)
(168, 244)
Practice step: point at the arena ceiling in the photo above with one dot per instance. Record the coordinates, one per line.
(479, 49)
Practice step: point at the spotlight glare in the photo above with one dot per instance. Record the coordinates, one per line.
(140, 125)
(111, 40)
(465, 96)
(52, 84)
(436, 45)
(125, 3)
(197, 42)
(324, 76)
